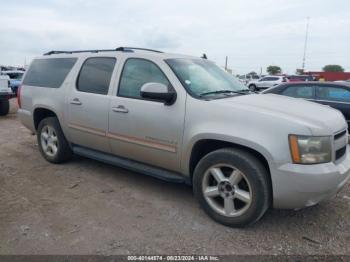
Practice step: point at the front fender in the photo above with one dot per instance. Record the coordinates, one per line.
(224, 138)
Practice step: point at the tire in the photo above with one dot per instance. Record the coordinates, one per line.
(250, 194)
(4, 107)
(253, 88)
(52, 143)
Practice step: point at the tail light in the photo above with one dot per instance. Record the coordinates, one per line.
(19, 96)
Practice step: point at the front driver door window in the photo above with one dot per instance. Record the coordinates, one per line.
(136, 73)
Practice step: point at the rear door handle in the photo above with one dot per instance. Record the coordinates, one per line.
(120, 109)
(76, 101)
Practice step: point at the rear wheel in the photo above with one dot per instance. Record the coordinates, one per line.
(4, 107)
(231, 186)
(52, 143)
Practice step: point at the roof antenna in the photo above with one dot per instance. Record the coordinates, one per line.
(204, 56)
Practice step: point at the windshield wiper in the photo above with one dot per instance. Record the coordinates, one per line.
(248, 91)
(242, 92)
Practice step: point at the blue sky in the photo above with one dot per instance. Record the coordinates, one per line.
(252, 33)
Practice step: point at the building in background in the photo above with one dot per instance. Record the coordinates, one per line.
(329, 76)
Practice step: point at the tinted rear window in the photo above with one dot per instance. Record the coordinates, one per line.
(95, 75)
(48, 72)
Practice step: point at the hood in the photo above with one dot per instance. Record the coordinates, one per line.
(320, 119)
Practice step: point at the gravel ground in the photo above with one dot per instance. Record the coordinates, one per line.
(86, 207)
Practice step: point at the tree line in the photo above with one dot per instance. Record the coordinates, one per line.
(275, 70)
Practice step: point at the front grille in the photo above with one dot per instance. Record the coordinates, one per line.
(339, 144)
(340, 152)
(339, 135)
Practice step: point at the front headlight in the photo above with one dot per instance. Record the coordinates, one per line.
(310, 149)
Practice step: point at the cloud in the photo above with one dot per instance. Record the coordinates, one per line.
(252, 33)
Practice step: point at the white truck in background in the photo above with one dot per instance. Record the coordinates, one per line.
(5, 94)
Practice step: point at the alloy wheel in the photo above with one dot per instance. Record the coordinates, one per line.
(227, 190)
(49, 141)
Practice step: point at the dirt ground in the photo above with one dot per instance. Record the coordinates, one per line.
(87, 207)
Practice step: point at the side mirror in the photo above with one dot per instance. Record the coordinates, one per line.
(158, 92)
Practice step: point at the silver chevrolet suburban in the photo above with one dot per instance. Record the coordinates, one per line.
(183, 119)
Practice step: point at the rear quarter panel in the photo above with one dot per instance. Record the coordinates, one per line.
(35, 97)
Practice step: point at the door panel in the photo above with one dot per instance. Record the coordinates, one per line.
(88, 120)
(268, 83)
(149, 132)
(143, 130)
(88, 104)
(260, 83)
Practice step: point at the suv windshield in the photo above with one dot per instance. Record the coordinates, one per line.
(201, 77)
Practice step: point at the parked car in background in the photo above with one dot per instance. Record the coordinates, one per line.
(245, 79)
(329, 76)
(15, 79)
(336, 95)
(266, 82)
(5, 94)
(299, 78)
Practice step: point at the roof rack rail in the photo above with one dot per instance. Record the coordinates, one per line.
(54, 52)
(122, 49)
(127, 48)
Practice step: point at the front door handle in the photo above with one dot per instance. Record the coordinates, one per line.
(76, 101)
(120, 109)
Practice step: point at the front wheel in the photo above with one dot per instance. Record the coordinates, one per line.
(232, 187)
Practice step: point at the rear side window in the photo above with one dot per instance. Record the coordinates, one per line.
(95, 75)
(333, 93)
(299, 91)
(48, 72)
(269, 78)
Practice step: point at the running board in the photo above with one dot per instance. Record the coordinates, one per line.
(130, 165)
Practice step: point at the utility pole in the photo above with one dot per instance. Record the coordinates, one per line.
(226, 64)
(305, 43)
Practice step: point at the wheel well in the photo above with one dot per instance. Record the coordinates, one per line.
(204, 147)
(40, 114)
